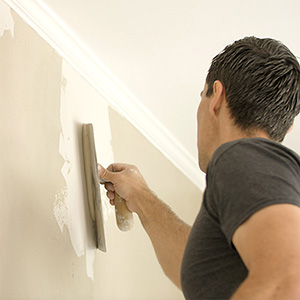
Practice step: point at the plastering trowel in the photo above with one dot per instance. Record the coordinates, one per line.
(92, 184)
(124, 217)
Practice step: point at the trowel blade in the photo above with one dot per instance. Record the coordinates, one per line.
(92, 184)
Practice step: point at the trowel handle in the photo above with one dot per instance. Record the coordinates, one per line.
(124, 216)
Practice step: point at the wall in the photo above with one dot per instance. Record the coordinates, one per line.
(45, 230)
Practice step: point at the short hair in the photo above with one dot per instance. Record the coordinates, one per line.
(262, 84)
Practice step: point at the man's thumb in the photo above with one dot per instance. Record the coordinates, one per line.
(104, 174)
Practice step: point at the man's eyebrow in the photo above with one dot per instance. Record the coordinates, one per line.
(201, 93)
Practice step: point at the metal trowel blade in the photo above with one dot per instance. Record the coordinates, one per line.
(92, 184)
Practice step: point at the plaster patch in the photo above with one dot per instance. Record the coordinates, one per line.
(90, 259)
(60, 209)
(81, 103)
(6, 19)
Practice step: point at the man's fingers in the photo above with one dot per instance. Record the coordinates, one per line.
(109, 186)
(104, 174)
(110, 195)
(117, 167)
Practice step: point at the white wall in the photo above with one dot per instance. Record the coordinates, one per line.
(45, 233)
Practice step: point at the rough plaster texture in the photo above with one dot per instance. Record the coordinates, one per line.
(43, 105)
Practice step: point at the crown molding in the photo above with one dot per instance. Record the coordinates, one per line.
(55, 32)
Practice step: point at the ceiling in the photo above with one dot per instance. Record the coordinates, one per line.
(161, 50)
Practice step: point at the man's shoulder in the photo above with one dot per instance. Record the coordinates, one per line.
(255, 150)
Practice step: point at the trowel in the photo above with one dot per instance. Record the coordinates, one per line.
(124, 217)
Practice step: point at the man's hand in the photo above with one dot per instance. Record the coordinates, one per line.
(127, 181)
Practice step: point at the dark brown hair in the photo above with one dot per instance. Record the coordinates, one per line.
(262, 84)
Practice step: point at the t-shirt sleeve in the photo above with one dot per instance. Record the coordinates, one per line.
(247, 178)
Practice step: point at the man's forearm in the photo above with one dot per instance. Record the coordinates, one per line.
(167, 232)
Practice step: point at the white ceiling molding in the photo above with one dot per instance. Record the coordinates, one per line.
(50, 27)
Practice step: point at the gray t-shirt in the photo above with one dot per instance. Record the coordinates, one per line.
(242, 177)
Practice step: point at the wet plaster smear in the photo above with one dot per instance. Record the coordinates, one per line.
(80, 103)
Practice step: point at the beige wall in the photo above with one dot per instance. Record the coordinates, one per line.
(45, 232)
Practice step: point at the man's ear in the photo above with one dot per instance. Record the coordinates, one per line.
(218, 97)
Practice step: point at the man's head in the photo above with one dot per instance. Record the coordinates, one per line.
(261, 78)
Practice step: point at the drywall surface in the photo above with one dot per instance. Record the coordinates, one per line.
(37, 261)
(47, 249)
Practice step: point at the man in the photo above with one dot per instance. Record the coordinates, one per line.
(245, 242)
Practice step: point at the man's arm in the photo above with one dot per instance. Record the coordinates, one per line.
(269, 244)
(167, 232)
